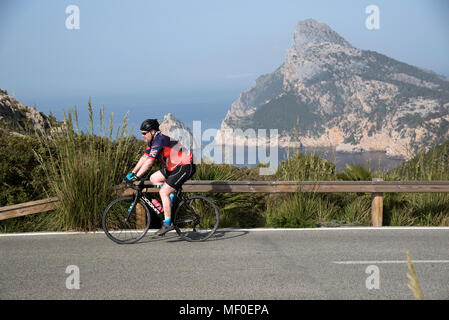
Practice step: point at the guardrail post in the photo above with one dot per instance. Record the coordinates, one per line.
(140, 216)
(377, 205)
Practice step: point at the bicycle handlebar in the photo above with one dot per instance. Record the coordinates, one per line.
(140, 184)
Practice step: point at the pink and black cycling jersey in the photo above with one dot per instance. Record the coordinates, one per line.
(170, 152)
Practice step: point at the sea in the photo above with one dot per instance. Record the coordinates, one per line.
(375, 160)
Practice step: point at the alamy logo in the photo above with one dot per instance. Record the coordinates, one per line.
(223, 146)
(373, 280)
(73, 280)
(372, 22)
(73, 20)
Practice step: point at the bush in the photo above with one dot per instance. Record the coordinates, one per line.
(355, 173)
(299, 210)
(426, 165)
(84, 168)
(21, 176)
(303, 167)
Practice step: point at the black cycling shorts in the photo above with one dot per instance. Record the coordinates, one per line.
(179, 175)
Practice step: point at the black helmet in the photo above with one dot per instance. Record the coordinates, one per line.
(149, 124)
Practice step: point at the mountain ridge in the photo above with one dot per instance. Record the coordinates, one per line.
(328, 93)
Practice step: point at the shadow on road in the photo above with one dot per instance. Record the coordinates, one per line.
(173, 236)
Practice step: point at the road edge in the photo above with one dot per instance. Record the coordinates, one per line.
(62, 233)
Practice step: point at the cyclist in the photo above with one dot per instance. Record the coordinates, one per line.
(177, 164)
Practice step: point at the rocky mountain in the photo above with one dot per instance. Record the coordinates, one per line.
(177, 130)
(21, 119)
(329, 93)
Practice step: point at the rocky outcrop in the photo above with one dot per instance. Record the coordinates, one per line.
(21, 118)
(329, 93)
(177, 130)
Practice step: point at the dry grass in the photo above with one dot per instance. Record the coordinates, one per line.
(413, 279)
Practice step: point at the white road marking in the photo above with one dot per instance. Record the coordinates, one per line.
(41, 234)
(334, 229)
(244, 230)
(390, 261)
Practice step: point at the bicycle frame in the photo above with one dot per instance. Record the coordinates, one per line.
(140, 195)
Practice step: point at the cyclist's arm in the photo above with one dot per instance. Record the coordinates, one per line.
(148, 158)
(146, 164)
(139, 164)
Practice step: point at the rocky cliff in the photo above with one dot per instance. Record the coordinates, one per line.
(178, 130)
(21, 119)
(329, 93)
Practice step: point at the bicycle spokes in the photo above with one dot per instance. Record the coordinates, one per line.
(196, 218)
(125, 220)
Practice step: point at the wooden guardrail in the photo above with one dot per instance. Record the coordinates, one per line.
(376, 187)
(26, 208)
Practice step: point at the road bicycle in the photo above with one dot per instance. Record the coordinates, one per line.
(127, 219)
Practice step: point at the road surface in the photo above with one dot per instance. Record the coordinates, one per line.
(334, 263)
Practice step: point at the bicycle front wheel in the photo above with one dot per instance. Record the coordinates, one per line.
(123, 225)
(196, 218)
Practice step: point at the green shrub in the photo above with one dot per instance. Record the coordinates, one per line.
(20, 174)
(299, 210)
(432, 164)
(303, 167)
(84, 168)
(358, 211)
(355, 173)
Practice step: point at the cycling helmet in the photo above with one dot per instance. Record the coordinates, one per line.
(149, 124)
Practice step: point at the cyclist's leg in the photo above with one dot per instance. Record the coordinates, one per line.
(165, 197)
(158, 178)
(180, 175)
(164, 192)
(174, 181)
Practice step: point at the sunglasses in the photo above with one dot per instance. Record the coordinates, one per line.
(144, 132)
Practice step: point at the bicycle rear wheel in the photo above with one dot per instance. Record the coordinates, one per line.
(123, 226)
(196, 218)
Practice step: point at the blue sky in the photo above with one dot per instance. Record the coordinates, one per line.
(196, 56)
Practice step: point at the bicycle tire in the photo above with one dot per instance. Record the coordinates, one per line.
(115, 226)
(196, 218)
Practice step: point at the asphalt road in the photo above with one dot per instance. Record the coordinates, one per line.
(367, 263)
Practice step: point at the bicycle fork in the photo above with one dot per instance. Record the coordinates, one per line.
(132, 207)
